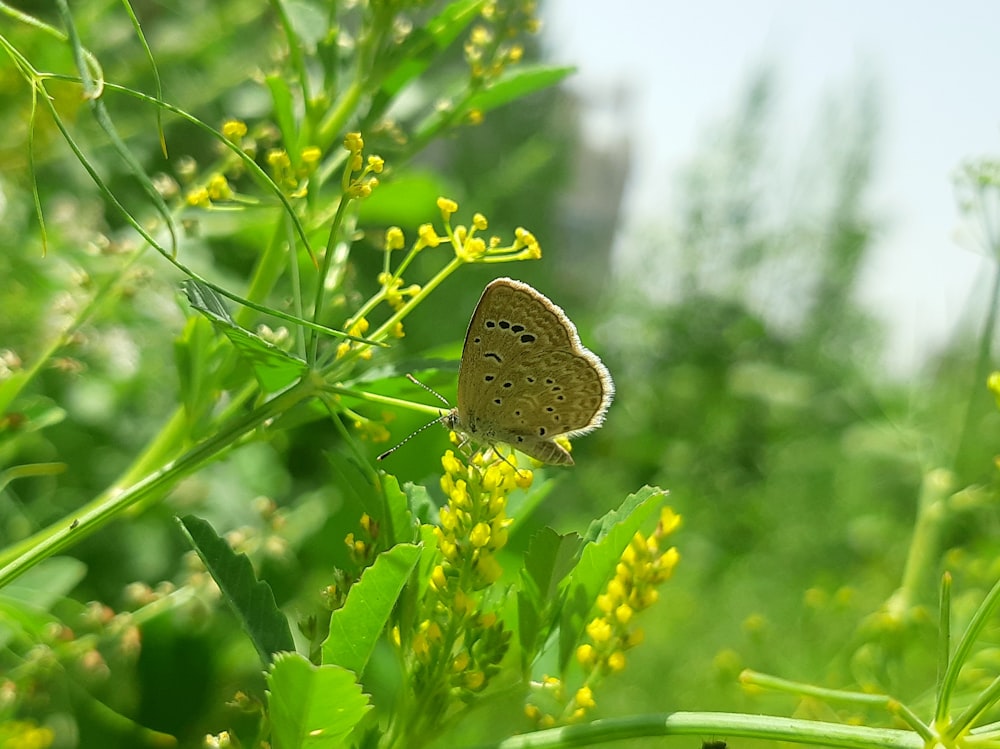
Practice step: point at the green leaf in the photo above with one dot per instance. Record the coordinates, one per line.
(24, 603)
(355, 627)
(284, 113)
(402, 525)
(608, 536)
(250, 599)
(47, 583)
(516, 84)
(550, 557)
(274, 369)
(312, 706)
(427, 43)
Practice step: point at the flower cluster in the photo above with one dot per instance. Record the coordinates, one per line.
(358, 179)
(492, 44)
(459, 640)
(643, 566)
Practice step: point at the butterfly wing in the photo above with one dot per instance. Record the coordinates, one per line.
(525, 377)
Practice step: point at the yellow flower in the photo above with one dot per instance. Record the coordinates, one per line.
(586, 655)
(234, 129)
(447, 207)
(354, 143)
(623, 613)
(394, 239)
(427, 237)
(599, 630)
(480, 535)
(616, 661)
(584, 698)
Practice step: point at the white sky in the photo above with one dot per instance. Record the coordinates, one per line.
(936, 65)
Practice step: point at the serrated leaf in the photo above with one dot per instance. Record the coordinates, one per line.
(274, 368)
(312, 706)
(357, 625)
(250, 599)
(611, 535)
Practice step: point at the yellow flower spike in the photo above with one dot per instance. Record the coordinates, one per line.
(461, 604)
(523, 479)
(532, 712)
(616, 661)
(394, 238)
(551, 682)
(398, 330)
(343, 349)
(577, 715)
(447, 207)
(311, 155)
(395, 637)
(234, 129)
(605, 603)
(547, 721)
(480, 535)
(586, 655)
(479, 221)
(599, 630)
(376, 164)
(584, 698)
(475, 117)
(475, 680)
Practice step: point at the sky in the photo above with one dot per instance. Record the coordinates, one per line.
(936, 67)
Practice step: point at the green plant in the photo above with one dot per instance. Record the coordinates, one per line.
(377, 618)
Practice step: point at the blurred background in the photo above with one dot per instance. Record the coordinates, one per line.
(748, 209)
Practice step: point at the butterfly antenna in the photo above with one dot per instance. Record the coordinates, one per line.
(410, 436)
(414, 433)
(433, 392)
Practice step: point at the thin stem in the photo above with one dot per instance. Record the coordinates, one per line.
(117, 498)
(706, 724)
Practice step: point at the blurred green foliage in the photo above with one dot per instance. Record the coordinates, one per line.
(747, 385)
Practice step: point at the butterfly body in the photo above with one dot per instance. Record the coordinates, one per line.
(525, 378)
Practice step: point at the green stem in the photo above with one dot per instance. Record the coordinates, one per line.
(707, 724)
(925, 547)
(122, 495)
(979, 621)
